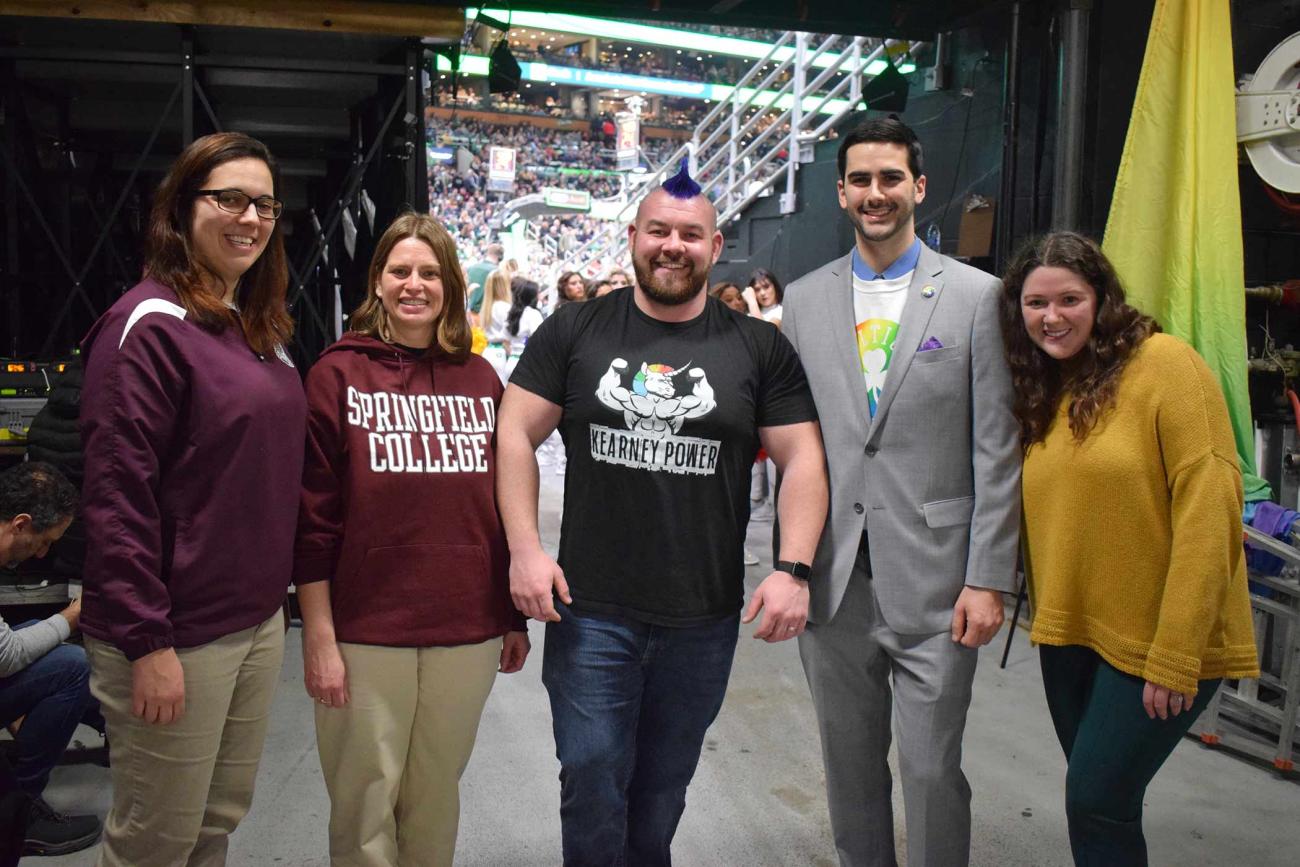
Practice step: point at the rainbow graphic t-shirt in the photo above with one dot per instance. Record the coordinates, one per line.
(878, 308)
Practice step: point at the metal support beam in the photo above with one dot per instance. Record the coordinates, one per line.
(1071, 89)
(1006, 209)
(207, 106)
(417, 172)
(112, 216)
(187, 87)
(350, 186)
(8, 140)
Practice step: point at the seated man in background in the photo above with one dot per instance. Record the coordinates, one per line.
(44, 683)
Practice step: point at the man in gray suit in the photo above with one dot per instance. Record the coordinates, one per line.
(903, 349)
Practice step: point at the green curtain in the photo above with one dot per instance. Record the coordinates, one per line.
(1174, 232)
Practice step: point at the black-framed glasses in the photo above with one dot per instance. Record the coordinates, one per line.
(236, 202)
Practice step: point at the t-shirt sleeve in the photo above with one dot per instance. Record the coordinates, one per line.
(543, 368)
(784, 396)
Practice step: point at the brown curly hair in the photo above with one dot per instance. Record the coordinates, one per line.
(1117, 331)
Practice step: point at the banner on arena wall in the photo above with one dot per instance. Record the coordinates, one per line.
(628, 140)
(576, 200)
(501, 169)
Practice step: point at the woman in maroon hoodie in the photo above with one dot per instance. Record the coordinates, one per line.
(192, 417)
(401, 561)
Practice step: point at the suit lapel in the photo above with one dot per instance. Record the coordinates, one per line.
(922, 297)
(843, 325)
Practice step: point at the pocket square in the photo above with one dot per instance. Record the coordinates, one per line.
(930, 343)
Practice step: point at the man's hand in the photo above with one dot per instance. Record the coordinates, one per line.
(158, 687)
(514, 650)
(533, 576)
(977, 616)
(72, 614)
(323, 671)
(1163, 702)
(784, 602)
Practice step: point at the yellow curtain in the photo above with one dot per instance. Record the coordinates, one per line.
(1174, 232)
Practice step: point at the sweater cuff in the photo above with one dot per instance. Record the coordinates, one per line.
(135, 648)
(1172, 670)
(61, 626)
(309, 569)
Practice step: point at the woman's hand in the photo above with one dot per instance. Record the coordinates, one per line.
(1163, 702)
(324, 672)
(514, 650)
(751, 301)
(158, 687)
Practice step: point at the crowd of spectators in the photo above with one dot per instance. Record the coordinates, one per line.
(545, 158)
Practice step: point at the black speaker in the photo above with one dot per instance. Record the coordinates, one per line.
(503, 70)
(887, 91)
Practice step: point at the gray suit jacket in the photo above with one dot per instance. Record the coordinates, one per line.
(934, 478)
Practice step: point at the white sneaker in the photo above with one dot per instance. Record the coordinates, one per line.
(750, 559)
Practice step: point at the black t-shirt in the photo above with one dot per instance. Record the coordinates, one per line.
(660, 426)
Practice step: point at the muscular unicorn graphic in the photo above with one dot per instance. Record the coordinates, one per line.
(653, 404)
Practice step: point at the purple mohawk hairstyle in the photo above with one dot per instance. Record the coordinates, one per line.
(682, 185)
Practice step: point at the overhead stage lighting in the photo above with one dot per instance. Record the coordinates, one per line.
(503, 70)
(887, 91)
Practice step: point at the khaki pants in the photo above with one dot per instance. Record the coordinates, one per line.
(180, 789)
(393, 757)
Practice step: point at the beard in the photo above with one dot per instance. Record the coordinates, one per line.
(679, 289)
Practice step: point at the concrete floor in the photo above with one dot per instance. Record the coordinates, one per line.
(758, 798)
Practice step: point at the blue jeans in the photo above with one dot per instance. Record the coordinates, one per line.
(630, 703)
(53, 693)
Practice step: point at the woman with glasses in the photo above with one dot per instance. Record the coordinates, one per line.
(402, 567)
(193, 419)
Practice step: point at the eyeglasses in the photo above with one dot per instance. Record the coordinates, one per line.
(236, 202)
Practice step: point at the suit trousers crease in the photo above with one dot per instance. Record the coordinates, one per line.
(393, 757)
(864, 677)
(179, 790)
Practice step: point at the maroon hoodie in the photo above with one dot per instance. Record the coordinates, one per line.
(398, 497)
(193, 449)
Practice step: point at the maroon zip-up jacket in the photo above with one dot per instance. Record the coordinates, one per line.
(193, 449)
(398, 497)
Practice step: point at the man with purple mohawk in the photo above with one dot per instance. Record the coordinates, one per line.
(663, 396)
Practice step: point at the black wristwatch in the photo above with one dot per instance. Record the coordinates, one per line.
(795, 568)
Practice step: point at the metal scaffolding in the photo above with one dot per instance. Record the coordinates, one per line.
(77, 172)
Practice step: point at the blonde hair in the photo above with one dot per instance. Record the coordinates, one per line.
(496, 288)
(451, 328)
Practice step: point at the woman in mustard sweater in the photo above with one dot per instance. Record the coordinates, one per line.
(1132, 533)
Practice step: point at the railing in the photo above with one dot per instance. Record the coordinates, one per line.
(754, 139)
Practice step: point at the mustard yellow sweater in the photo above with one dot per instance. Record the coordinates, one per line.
(1133, 538)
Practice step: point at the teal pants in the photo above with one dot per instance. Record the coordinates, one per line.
(1112, 749)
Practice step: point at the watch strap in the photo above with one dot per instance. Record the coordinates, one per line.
(795, 568)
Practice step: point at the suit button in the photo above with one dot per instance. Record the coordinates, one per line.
(857, 507)
(871, 451)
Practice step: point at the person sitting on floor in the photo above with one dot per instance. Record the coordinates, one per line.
(44, 683)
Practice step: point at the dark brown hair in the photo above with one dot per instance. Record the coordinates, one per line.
(1117, 331)
(169, 258)
(451, 331)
